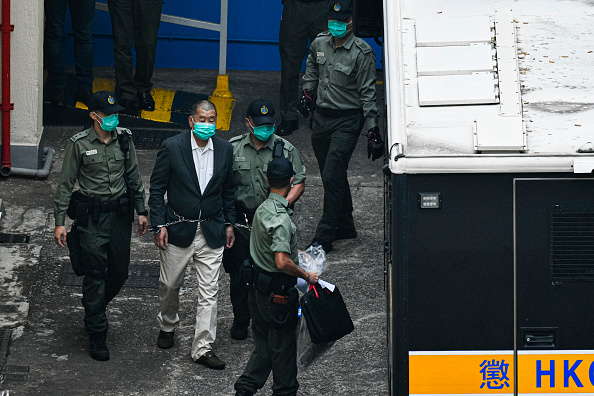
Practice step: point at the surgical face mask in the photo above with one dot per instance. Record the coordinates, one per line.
(109, 123)
(204, 130)
(263, 132)
(338, 28)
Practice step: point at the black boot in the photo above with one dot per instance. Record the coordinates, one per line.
(99, 349)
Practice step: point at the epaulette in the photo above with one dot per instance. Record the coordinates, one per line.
(288, 146)
(279, 207)
(80, 135)
(363, 46)
(326, 33)
(124, 130)
(236, 138)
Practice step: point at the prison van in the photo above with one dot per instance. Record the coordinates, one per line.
(489, 196)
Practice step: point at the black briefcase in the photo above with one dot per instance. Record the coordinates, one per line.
(326, 315)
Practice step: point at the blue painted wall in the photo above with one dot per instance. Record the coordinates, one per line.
(252, 35)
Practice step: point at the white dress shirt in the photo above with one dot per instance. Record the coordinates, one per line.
(203, 161)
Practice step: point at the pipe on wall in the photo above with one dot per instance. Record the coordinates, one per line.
(37, 173)
(6, 28)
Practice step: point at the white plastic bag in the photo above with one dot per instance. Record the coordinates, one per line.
(307, 351)
(313, 259)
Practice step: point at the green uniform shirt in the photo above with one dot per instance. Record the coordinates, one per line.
(344, 77)
(273, 231)
(99, 169)
(250, 165)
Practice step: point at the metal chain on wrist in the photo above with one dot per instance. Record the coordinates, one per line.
(246, 225)
(180, 219)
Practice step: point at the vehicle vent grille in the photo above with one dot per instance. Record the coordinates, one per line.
(571, 245)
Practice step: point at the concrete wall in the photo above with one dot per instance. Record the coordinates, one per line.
(26, 83)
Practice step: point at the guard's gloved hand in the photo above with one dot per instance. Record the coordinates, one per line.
(375, 144)
(307, 103)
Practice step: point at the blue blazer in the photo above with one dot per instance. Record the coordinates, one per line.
(175, 174)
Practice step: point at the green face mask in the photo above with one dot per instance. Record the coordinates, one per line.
(337, 28)
(109, 123)
(263, 132)
(203, 130)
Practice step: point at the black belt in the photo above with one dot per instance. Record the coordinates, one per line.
(277, 282)
(335, 113)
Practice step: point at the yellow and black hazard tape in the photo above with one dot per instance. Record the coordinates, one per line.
(175, 106)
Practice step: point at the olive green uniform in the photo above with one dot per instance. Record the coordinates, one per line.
(251, 189)
(344, 80)
(99, 169)
(301, 20)
(275, 348)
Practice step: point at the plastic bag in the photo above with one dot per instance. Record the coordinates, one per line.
(313, 259)
(307, 351)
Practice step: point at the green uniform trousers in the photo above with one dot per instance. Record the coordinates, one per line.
(333, 141)
(300, 21)
(232, 259)
(275, 350)
(134, 22)
(105, 248)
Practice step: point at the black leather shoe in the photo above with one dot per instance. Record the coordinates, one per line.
(287, 127)
(146, 101)
(327, 246)
(239, 332)
(345, 234)
(99, 349)
(130, 106)
(165, 340)
(83, 96)
(210, 360)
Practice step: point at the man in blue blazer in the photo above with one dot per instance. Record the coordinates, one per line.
(195, 170)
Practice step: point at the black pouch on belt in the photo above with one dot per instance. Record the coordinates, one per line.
(283, 309)
(123, 205)
(246, 274)
(75, 251)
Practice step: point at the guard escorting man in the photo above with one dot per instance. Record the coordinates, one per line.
(251, 154)
(301, 20)
(103, 160)
(339, 88)
(273, 301)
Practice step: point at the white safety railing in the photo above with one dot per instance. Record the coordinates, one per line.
(217, 27)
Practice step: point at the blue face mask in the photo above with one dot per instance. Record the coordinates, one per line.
(204, 130)
(337, 28)
(109, 123)
(263, 132)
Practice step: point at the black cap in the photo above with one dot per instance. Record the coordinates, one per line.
(279, 168)
(340, 9)
(262, 112)
(105, 102)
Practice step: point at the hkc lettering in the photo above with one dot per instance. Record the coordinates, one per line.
(568, 373)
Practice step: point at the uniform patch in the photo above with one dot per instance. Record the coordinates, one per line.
(238, 159)
(337, 7)
(110, 100)
(319, 53)
(264, 110)
(91, 152)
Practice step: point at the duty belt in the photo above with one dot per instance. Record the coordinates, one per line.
(335, 113)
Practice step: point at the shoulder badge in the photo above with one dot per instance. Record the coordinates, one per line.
(324, 33)
(363, 46)
(236, 138)
(279, 207)
(79, 135)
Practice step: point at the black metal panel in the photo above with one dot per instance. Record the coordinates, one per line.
(571, 245)
(368, 19)
(542, 302)
(461, 263)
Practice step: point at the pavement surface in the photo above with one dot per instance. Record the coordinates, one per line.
(43, 345)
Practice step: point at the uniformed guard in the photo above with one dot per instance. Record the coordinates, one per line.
(302, 20)
(339, 84)
(103, 160)
(273, 300)
(251, 154)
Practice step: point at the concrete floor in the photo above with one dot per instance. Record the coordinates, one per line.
(48, 337)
